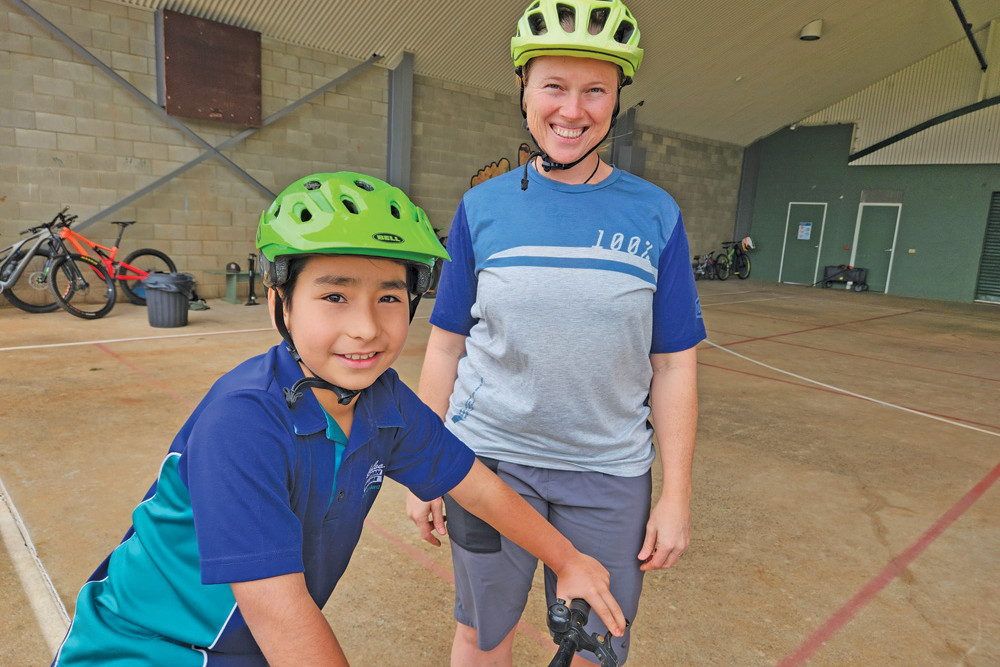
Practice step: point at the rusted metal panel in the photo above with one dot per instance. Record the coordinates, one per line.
(211, 71)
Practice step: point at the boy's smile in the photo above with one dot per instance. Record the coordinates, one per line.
(349, 317)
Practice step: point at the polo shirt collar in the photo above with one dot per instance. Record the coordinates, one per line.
(375, 407)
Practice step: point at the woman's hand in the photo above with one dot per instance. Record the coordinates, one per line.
(428, 517)
(668, 533)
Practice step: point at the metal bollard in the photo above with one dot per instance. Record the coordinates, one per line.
(252, 294)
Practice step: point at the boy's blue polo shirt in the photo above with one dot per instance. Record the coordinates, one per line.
(250, 490)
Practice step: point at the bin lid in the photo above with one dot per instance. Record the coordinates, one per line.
(170, 282)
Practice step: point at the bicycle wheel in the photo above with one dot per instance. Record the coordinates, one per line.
(31, 291)
(722, 267)
(148, 260)
(741, 266)
(82, 286)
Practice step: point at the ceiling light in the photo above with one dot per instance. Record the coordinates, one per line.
(811, 31)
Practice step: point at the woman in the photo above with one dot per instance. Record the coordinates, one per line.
(567, 318)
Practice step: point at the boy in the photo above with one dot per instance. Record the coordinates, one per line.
(262, 496)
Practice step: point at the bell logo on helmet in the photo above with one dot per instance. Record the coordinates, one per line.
(385, 237)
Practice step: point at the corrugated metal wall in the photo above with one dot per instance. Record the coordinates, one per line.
(945, 81)
(307, 23)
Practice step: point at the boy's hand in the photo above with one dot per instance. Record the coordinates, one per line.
(428, 517)
(584, 577)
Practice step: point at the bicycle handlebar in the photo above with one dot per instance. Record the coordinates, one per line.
(566, 625)
(59, 220)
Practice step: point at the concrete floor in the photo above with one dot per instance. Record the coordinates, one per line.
(845, 508)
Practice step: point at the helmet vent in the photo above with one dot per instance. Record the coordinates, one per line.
(624, 32)
(567, 17)
(350, 205)
(598, 18)
(312, 185)
(394, 209)
(365, 185)
(537, 24)
(305, 215)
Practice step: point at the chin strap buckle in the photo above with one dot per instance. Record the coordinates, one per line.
(291, 396)
(344, 396)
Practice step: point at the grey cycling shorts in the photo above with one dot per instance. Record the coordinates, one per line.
(602, 515)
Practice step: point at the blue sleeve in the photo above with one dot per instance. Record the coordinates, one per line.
(427, 459)
(457, 290)
(239, 471)
(677, 321)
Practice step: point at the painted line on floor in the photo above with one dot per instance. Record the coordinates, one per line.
(151, 378)
(828, 350)
(973, 426)
(957, 421)
(130, 340)
(897, 565)
(849, 610)
(447, 576)
(35, 582)
(732, 303)
(820, 327)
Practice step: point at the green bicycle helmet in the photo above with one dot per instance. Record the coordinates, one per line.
(346, 213)
(343, 214)
(601, 29)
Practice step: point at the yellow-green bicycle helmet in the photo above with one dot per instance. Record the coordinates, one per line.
(601, 29)
(346, 213)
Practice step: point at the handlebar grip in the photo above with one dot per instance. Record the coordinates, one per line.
(580, 605)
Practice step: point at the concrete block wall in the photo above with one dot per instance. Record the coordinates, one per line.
(458, 130)
(70, 135)
(703, 176)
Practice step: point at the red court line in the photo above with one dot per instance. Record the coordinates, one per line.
(843, 616)
(152, 378)
(768, 316)
(861, 356)
(806, 385)
(844, 324)
(447, 576)
(818, 328)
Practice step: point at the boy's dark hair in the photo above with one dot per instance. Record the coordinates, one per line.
(295, 265)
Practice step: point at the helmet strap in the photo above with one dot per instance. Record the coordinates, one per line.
(293, 394)
(414, 302)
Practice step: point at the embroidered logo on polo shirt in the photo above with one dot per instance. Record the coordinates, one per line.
(373, 480)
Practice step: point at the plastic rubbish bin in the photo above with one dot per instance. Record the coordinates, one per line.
(167, 296)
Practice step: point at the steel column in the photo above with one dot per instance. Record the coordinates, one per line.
(400, 123)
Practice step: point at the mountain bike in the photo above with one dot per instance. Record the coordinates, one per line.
(29, 267)
(566, 626)
(129, 273)
(24, 269)
(734, 258)
(704, 266)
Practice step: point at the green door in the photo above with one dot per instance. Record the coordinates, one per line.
(803, 238)
(876, 237)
